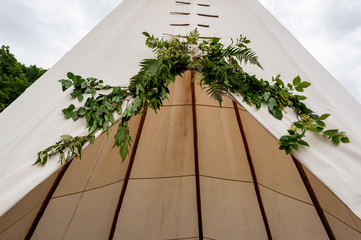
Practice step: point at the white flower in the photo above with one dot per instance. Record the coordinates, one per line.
(194, 51)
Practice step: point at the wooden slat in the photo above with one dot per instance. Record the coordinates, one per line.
(255, 181)
(196, 160)
(126, 180)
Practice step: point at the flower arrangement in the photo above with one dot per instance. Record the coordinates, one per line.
(221, 70)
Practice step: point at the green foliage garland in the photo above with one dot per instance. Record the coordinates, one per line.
(221, 71)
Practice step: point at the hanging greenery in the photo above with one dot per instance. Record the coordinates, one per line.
(221, 71)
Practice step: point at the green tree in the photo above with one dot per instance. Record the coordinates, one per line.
(15, 77)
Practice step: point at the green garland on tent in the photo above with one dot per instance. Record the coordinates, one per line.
(221, 72)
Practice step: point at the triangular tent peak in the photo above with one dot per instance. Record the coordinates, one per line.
(197, 170)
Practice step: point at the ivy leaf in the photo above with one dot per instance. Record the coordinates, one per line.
(81, 111)
(266, 96)
(65, 84)
(75, 115)
(68, 112)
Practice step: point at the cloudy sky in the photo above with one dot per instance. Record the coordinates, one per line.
(41, 31)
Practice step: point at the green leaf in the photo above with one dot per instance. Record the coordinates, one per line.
(304, 84)
(278, 114)
(81, 111)
(291, 132)
(280, 82)
(66, 137)
(296, 81)
(146, 34)
(288, 150)
(75, 116)
(335, 139)
(299, 89)
(300, 97)
(163, 93)
(298, 125)
(80, 97)
(123, 151)
(321, 123)
(331, 132)
(324, 116)
(93, 127)
(266, 96)
(285, 138)
(303, 143)
(70, 75)
(294, 146)
(68, 112)
(65, 84)
(345, 140)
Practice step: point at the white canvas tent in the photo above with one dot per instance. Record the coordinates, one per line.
(196, 170)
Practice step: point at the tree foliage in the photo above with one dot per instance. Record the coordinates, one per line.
(14, 77)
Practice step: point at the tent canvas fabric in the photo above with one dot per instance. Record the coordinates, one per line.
(163, 198)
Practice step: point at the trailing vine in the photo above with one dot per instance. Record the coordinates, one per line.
(221, 71)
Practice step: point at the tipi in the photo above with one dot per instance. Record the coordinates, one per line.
(196, 171)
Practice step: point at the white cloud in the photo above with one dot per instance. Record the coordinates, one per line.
(40, 31)
(330, 30)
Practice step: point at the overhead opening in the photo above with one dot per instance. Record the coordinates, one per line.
(181, 2)
(180, 13)
(207, 15)
(179, 24)
(203, 5)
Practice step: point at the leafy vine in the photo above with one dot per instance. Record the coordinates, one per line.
(221, 71)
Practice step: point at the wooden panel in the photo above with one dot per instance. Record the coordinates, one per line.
(230, 210)
(291, 219)
(19, 229)
(221, 150)
(57, 216)
(100, 164)
(274, 169)
(166, 144)
(78, 174)
(110, 167)
(22, 209)
(341, 230)
(86, 215)
(180, 91)
(331, 204)
(94, 214)
(158, 209)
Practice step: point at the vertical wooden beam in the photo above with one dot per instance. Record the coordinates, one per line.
(314, 199)
(196, 160)
(46, 201)
(253, 172)
(126, 180)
